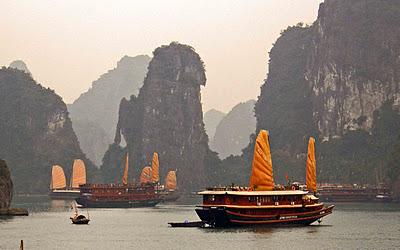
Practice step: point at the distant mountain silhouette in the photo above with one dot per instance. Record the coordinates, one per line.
(94, 114)
(211, 120)
(233, 132)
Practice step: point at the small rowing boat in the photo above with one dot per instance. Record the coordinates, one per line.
(78, 218)
(187, 224)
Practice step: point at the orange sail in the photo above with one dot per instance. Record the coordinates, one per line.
(58, 178)
(145, 176)
(155, 176)
(261, 175)
(125, 176)
(311, 167)
(170, 181)
(78, 173)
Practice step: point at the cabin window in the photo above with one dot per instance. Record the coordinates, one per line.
(252, 199)
(212, 197)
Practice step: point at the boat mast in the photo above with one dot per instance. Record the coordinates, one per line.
(125, 176)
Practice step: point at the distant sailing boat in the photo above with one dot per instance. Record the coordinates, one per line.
(151, 175)
(171, 190)
(77, 218)
(123, 195)
(58, 184)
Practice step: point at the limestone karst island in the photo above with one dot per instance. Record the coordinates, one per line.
(200, 125)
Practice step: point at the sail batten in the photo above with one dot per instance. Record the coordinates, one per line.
(78, 173)
(262, 175)
(170, 180)
(126, 168)
(145, 176)
(311, 166)
(58, 180)
(155, 176)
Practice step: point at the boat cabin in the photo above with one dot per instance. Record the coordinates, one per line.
(257, 198)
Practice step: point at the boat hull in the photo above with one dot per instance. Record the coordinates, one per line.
(354, 198)
(228, 217)
(170, 196)
(84, 202)
(187, 224)
(80, 221)
(64, 194)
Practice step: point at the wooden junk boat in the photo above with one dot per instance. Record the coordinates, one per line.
(78, 218)
(58, 185)
(353, 193)
(123, 195)
(262, 203)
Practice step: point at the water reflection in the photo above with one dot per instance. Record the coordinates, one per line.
(59, 205)
(313, 229)
(40, 203)
(4, 219)
(256, 230)
(147, 228)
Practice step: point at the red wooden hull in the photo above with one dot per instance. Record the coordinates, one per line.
(223, 216)
(117, 196)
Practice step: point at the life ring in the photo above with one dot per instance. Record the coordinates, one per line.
(293, 188)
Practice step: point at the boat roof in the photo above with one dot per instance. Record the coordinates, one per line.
(65, 191)
(250, 193)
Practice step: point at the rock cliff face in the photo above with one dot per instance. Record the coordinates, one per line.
(284, 106)
(337, 80)
(6, 186)
(35, 132)
(354, 63)
(211, 120)
(95, 113)
(233, 132)
(167, 117)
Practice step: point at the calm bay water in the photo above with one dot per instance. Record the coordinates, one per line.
(351, 226)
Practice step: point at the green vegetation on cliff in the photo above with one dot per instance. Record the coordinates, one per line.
(337, 80)
(6, 186)
(35, 132)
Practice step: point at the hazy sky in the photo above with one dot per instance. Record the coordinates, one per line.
(68, 44)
